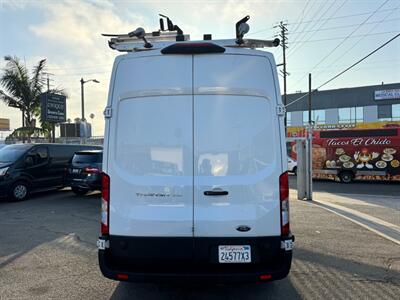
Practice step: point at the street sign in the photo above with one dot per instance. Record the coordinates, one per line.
(53, 107)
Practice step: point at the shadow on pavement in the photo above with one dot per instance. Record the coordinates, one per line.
(347, 265)
(282, 289)
(42, 218)
(304, 279)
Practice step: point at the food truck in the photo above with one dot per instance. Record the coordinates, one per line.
(355, 154)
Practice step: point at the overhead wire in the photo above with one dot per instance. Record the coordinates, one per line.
(314, 25)
(345, 70)
(302, 14)
(354, 36)
(314, 16)
(347, 26)
(344, 16)
(311, 7)
(362, 37)
(340, 43)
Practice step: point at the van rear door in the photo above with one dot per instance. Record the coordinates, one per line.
(151, 162)
(237, 147)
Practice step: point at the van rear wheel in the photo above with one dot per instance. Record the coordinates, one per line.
(79, 191)
(346, 177)
(19, 191)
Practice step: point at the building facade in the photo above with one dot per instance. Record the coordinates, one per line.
(347, 106)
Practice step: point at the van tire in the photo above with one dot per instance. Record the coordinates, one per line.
(79, 192)
(19, 191)
(346, 177)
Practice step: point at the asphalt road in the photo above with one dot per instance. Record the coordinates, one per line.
(47, 250)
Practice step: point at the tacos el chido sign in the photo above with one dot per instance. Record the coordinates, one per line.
(359, 142)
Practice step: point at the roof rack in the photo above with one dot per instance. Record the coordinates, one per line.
(126, 43)
(139, 40)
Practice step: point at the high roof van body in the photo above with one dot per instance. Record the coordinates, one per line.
(195, 167)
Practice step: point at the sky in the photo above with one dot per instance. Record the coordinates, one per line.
(324, 37)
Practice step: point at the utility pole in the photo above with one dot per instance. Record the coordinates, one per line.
(82, 100)
(53, 125)
(83, 95)
(283, 35)
(309, 145)
(309, 100)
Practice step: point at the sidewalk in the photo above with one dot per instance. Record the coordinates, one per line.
(334, 258)
(379, 214)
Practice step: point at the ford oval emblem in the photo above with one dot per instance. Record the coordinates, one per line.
(243, 228)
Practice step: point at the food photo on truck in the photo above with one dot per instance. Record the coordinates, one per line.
(355, 154)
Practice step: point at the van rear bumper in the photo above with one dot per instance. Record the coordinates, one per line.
(270, 262)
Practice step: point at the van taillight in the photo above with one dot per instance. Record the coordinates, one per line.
(284, 199)
(105, 203)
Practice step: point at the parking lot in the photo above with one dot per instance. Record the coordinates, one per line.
(48, 250)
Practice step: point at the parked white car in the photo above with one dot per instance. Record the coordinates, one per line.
(292, 165)
(195, 184)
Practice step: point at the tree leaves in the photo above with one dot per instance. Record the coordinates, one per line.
(22, 91)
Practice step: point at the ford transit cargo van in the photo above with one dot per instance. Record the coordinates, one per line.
(195, 183)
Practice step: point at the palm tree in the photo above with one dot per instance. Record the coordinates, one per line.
(22, 91)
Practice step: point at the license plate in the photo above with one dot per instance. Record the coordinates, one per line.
(234, 254)
(75, 171)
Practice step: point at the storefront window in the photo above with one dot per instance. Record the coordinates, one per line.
(385, 112)
(288, 118)
(318, 116)
(351, 115)
(359, 114)
(396, 112)
(305, 117)
(345, 115)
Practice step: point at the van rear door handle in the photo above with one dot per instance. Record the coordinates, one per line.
(216, 193)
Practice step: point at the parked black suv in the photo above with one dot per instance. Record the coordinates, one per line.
(28, 167)
(84, 173)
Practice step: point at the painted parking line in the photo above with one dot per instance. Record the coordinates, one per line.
(382, 228)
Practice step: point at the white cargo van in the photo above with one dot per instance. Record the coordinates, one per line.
(195, 183)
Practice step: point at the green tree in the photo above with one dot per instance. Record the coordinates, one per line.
(23, 91)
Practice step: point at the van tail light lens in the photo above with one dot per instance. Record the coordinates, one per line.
(105, 204)
(91, 170)
(284, 200)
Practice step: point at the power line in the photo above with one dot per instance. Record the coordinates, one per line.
(372, 64)
(356, 63)
(354, 36)
(361, 38)
(315, 15)
(340, 43)
(270, 28)
(323, 22)
(330, 18)
(345, 70)
(345, 16)
(347, 26)
(302, 14)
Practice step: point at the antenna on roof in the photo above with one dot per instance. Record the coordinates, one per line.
(171, 27)
(241, 29)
